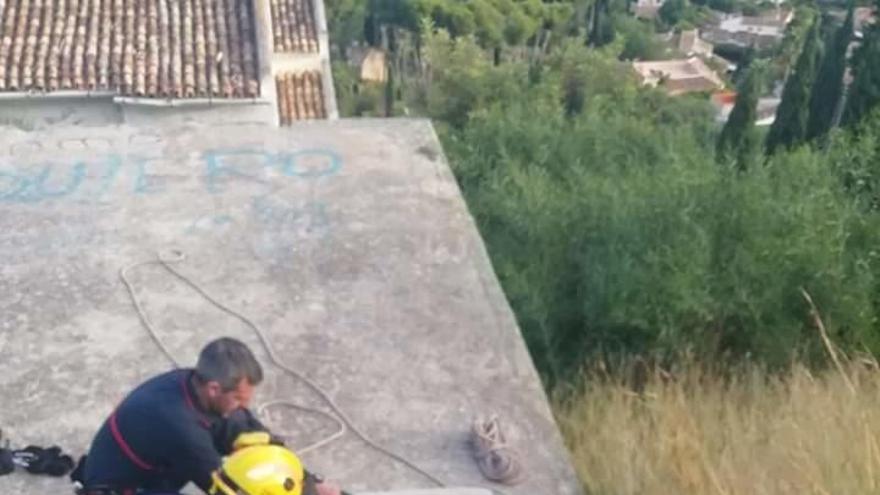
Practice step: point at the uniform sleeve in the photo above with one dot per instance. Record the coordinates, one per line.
(238, 422)
(196, 457)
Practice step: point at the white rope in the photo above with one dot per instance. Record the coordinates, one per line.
(341, 418)
(496, 459)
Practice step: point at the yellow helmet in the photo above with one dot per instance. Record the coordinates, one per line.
(259, 470)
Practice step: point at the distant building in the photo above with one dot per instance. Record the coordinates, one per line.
(690, 44)
(647, 9)
(761, 31)
(724, 101)
(117, 62)
(677, 77)
(374, 66)
(371, 63)
(770, 24)
(863, 17)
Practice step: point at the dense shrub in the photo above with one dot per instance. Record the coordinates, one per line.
(613, 228)
(617, 233)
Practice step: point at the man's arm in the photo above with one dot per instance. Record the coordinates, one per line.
(195, 457)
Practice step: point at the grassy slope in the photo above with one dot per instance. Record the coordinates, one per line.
(797, 434)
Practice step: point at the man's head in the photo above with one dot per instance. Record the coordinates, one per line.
(226, 375)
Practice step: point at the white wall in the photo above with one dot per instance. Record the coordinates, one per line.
(736, 25)
(39, 112)
(143, 115)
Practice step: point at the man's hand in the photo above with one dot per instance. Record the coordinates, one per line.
(327, 488)
(250, 439)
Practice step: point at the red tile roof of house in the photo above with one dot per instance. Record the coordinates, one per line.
(724, 97)
(300, 96)
(152, 48)
(293, 26)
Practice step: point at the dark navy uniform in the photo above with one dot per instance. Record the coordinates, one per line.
(159, 439)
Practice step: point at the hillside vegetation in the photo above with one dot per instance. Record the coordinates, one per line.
(622, 235)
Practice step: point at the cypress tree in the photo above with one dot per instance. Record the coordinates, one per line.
(790, 127)
(742, 67)
(601, 28)
(573, 94)
(828, 88)
(864, 94)
(738, 139)
(389, 93)
(371, 30)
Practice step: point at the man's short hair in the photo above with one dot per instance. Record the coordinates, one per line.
(228, 361)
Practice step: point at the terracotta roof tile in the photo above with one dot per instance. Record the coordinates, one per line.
(153, 48)
(293, 26)
(300, 96)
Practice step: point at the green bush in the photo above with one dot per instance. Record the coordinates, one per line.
(640, 41)
(612, 227)
(855, 156)
(615, 233)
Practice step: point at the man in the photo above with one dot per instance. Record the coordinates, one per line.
(176, 427)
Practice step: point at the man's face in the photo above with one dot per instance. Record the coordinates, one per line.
(225, 402)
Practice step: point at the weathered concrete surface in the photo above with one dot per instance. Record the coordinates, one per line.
(435, 491)
(348, 242)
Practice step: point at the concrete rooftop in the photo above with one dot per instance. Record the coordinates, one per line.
(347, 242)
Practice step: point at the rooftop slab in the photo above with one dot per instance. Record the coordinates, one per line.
(436, 491)
(347, 242)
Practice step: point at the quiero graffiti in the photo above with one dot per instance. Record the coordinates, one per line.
(93, 178)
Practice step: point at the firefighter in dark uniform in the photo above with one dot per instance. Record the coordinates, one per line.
(177, 427)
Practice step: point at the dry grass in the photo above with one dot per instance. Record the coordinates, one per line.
(794, 434)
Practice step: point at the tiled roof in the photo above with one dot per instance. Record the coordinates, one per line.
(864, 17)
(689, 43)
(679, 76)
(154, 48)
(300, 96)
(293, 26)
(687, 40)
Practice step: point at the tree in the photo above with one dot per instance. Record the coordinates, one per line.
(458, 79)
(573, 93)
(790, 127)
(518, 26)
(346, 19)
(489, 22)
(673, 11)
(745, 60)
(371, 31)
(828, 88)
(864, 94)
(639, 42)
(738, 139)
(389, 93)
(601, 27)
(786, 53)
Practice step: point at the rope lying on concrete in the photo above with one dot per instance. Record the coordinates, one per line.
(496, 459)
(341, 418)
